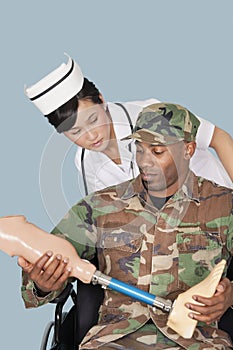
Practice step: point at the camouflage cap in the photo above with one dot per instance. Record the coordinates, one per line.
(165, 123)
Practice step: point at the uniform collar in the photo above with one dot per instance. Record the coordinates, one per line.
(189, 189)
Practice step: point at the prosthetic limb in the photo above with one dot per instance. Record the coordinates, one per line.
(21, 238)
(18, 237)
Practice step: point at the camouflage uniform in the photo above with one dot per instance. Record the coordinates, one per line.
(164, 252)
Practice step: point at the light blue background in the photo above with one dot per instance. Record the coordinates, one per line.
(179, 51)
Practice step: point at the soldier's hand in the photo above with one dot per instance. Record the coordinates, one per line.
(47, 275)
(213, 308)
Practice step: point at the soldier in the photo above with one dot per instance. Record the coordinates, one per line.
(162, 232)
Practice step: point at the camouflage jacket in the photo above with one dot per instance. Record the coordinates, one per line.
(162, 251)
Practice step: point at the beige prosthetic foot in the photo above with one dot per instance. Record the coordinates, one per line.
(178, 319)
(21, 238)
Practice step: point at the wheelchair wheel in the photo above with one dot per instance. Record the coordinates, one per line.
(47, 333)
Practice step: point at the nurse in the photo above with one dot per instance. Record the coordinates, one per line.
(76, 108)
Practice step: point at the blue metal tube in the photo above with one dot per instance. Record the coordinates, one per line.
(133, 292)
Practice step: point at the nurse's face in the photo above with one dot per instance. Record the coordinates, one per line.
(92, 127)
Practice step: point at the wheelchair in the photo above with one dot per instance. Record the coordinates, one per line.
(69, 328)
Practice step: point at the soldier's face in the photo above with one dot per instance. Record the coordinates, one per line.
(162, 168)
(92, 127)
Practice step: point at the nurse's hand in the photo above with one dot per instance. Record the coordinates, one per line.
(213, 308)
(47, 276)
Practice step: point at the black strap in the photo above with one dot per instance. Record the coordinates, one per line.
(83, 172)
(83, 149)
(55, 84)
(127, 115)
(131, 127)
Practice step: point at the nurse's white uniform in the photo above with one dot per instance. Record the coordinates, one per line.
(101, 172)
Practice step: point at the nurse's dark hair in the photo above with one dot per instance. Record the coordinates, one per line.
(64, 117)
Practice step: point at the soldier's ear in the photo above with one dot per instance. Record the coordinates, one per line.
(189, 150)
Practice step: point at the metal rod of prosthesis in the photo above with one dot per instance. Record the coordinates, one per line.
(136, 293)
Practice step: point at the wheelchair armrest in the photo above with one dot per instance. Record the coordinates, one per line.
(61, 298)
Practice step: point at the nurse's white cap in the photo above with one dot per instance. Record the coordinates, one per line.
(56, 88)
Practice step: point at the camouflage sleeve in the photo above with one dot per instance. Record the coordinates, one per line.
(29, 296)
(230, 234)
(77, 227)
